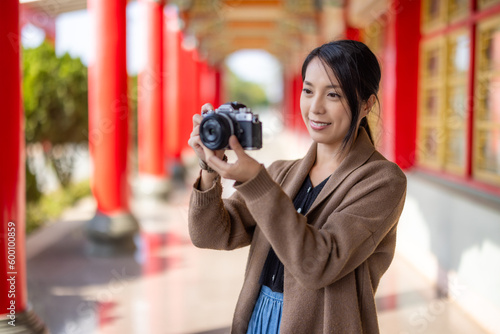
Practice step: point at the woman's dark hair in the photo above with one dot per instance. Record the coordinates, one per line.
(357, 71)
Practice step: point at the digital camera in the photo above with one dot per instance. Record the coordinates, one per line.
(231, 118)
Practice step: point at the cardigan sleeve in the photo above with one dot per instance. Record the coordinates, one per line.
(223, 224)
(217, 223)
(317, 257)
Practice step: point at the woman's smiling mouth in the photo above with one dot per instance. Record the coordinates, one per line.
(318, 125)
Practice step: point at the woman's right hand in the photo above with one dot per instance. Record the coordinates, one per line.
(195, 140)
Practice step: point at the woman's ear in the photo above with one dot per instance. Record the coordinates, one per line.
(367, 106)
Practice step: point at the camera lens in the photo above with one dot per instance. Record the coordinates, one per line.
(215, 131)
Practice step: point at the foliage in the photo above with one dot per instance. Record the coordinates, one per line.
(55, 105)
(55, 97)
(246, 92)
(33, 194)
(50, 206)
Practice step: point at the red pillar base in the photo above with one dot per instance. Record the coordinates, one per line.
(26, 322)
(111, 234)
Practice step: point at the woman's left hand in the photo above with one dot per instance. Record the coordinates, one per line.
(242, 170)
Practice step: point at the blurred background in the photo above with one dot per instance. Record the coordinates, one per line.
(98, 99)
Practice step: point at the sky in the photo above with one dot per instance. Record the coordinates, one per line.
(73, 36)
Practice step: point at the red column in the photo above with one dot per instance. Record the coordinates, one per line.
(13, 288)
(172, 49)
(12, 170)
(400, 73)
(291, 102)
(188, 93)
(218, 98)
(109, 123)
(296, 92)
(287, 102)
(152, 171)
(349, 31)
(199, 68)
(207, 83)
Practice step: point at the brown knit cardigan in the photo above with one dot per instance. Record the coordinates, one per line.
(333, 256)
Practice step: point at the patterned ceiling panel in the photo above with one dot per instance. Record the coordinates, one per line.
(224, 26)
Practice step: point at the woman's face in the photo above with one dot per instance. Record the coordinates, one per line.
(323, 105)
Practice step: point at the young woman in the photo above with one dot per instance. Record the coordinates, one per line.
(321, 229)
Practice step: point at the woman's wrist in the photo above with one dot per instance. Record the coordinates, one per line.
(204, 166)
(207, 180)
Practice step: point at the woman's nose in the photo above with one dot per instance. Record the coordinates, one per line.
(317, 106)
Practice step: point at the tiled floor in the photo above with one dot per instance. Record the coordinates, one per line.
(169, 286)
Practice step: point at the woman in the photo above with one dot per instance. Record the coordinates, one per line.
(322, 229)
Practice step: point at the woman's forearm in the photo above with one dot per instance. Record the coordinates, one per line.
(207, 180)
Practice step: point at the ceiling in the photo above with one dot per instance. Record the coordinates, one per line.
(224, 26)
(221, 27)
(54, 7)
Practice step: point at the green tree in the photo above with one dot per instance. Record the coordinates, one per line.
(55, 105)
(246, 92)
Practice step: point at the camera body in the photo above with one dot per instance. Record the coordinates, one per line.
(232, 118)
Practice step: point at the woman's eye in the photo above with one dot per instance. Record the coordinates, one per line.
(334, 95)
(306, 90)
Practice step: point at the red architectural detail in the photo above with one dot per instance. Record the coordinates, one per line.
(469, 23)
(352, 33)
(12, 188)
(150, 91)
(470, 103)
(108, 106)
(400, 91)
(349, 31)
(171, 87)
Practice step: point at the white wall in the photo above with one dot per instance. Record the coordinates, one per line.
(453, 236)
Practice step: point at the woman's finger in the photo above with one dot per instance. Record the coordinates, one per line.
(197, 118)
(219, 165)
(196, 131)
(206, 107)
(208, 153)
(236, 146)
(195, 143)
